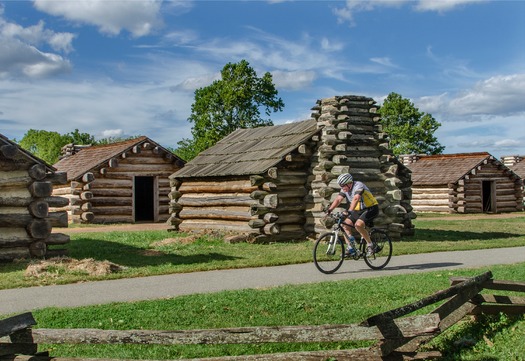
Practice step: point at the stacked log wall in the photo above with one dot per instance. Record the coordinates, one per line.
(467, 194)
(26, 207)
(263, 207)
(79, 207)
(510, 161)
(352, 141)
(221, 204)
(431, 199)
(105, 194)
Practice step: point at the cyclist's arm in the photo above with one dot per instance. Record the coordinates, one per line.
(355, 201)
(335, 203)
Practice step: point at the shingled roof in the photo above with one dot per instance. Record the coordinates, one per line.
(519, 169)
(249, 151)
(446, 168)
(91, 157)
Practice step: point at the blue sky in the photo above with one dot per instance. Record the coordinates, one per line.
(125, 68)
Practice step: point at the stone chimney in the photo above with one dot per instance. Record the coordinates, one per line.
(352, 141)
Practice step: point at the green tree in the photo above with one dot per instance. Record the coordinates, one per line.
(44, 144)
(410, 131)
(233, 102)
(81, 138)
(112, 139)
(48, 145)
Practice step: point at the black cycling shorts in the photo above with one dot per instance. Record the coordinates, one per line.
(367, 214)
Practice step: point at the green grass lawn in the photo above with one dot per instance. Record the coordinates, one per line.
(337, 302)
(162, 252)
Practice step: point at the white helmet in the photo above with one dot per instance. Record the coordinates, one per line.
(344, 178)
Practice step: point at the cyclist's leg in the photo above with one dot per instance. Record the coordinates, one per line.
(348, 224)
(362, 219)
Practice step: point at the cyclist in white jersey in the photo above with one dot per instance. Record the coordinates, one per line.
(363, 207)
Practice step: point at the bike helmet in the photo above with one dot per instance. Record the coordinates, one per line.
(344, 178)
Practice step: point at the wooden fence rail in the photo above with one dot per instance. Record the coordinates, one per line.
(397, 338)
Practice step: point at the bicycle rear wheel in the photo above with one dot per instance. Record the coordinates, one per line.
(382, 252)
(328, 252)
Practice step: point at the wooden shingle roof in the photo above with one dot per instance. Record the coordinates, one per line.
(249, 151)
(92, 157)
(519, 169)
(443, 169)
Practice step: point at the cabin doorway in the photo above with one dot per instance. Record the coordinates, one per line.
(144, 199)
(488, 195)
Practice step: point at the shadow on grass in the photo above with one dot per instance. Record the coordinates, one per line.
(460, 341)
(433, 235)
(126, 255)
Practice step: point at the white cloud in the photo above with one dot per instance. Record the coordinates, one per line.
(109, 133)
(331, 45)
(37, 35)
(498, 95)
(347, 13)
(21, 60)
(22, 50)
(293, 80)
(383, 61)
(487, 117)
(507, 143)
(192, 83)
(181, 37)
(111, 17)
(501, 94)
(443, 5)
(271, 53)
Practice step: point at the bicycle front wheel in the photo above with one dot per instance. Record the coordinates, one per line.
(382, 251)
(328, 252)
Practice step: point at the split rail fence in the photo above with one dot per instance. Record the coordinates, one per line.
(398, 337)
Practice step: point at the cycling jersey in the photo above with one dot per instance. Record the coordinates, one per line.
(367, 198)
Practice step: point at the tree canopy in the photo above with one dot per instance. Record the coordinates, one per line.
(410, 131)
(47, 145)
(233, 102)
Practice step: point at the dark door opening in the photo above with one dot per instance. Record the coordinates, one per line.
(487, 194)
(144, 199)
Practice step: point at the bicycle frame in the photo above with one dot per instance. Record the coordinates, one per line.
(330, 248)
(361, 243)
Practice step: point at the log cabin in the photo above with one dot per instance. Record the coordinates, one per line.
(463, 183)
(517, 165)
(272, 183)
(26, 219)
(124, 182)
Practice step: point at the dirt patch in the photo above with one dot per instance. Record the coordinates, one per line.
(54, 267)
(178, 240)
(123, 227)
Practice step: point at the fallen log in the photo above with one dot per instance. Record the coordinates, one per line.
(406, 327)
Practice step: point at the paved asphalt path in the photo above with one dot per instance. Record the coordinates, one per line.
(168, 286)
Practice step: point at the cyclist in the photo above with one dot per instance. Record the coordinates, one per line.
(362, 207)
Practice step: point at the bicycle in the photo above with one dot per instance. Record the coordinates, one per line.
(329, 249)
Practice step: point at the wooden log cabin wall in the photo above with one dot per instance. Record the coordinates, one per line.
(124, 182)
(517, 165)
(252, 183)
(271, 183)
(26, 218)
(463, 183)
(352, 141)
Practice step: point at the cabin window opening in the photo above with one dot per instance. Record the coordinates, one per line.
(144, 199)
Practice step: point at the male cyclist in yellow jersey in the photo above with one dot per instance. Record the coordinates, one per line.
(363, 207)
